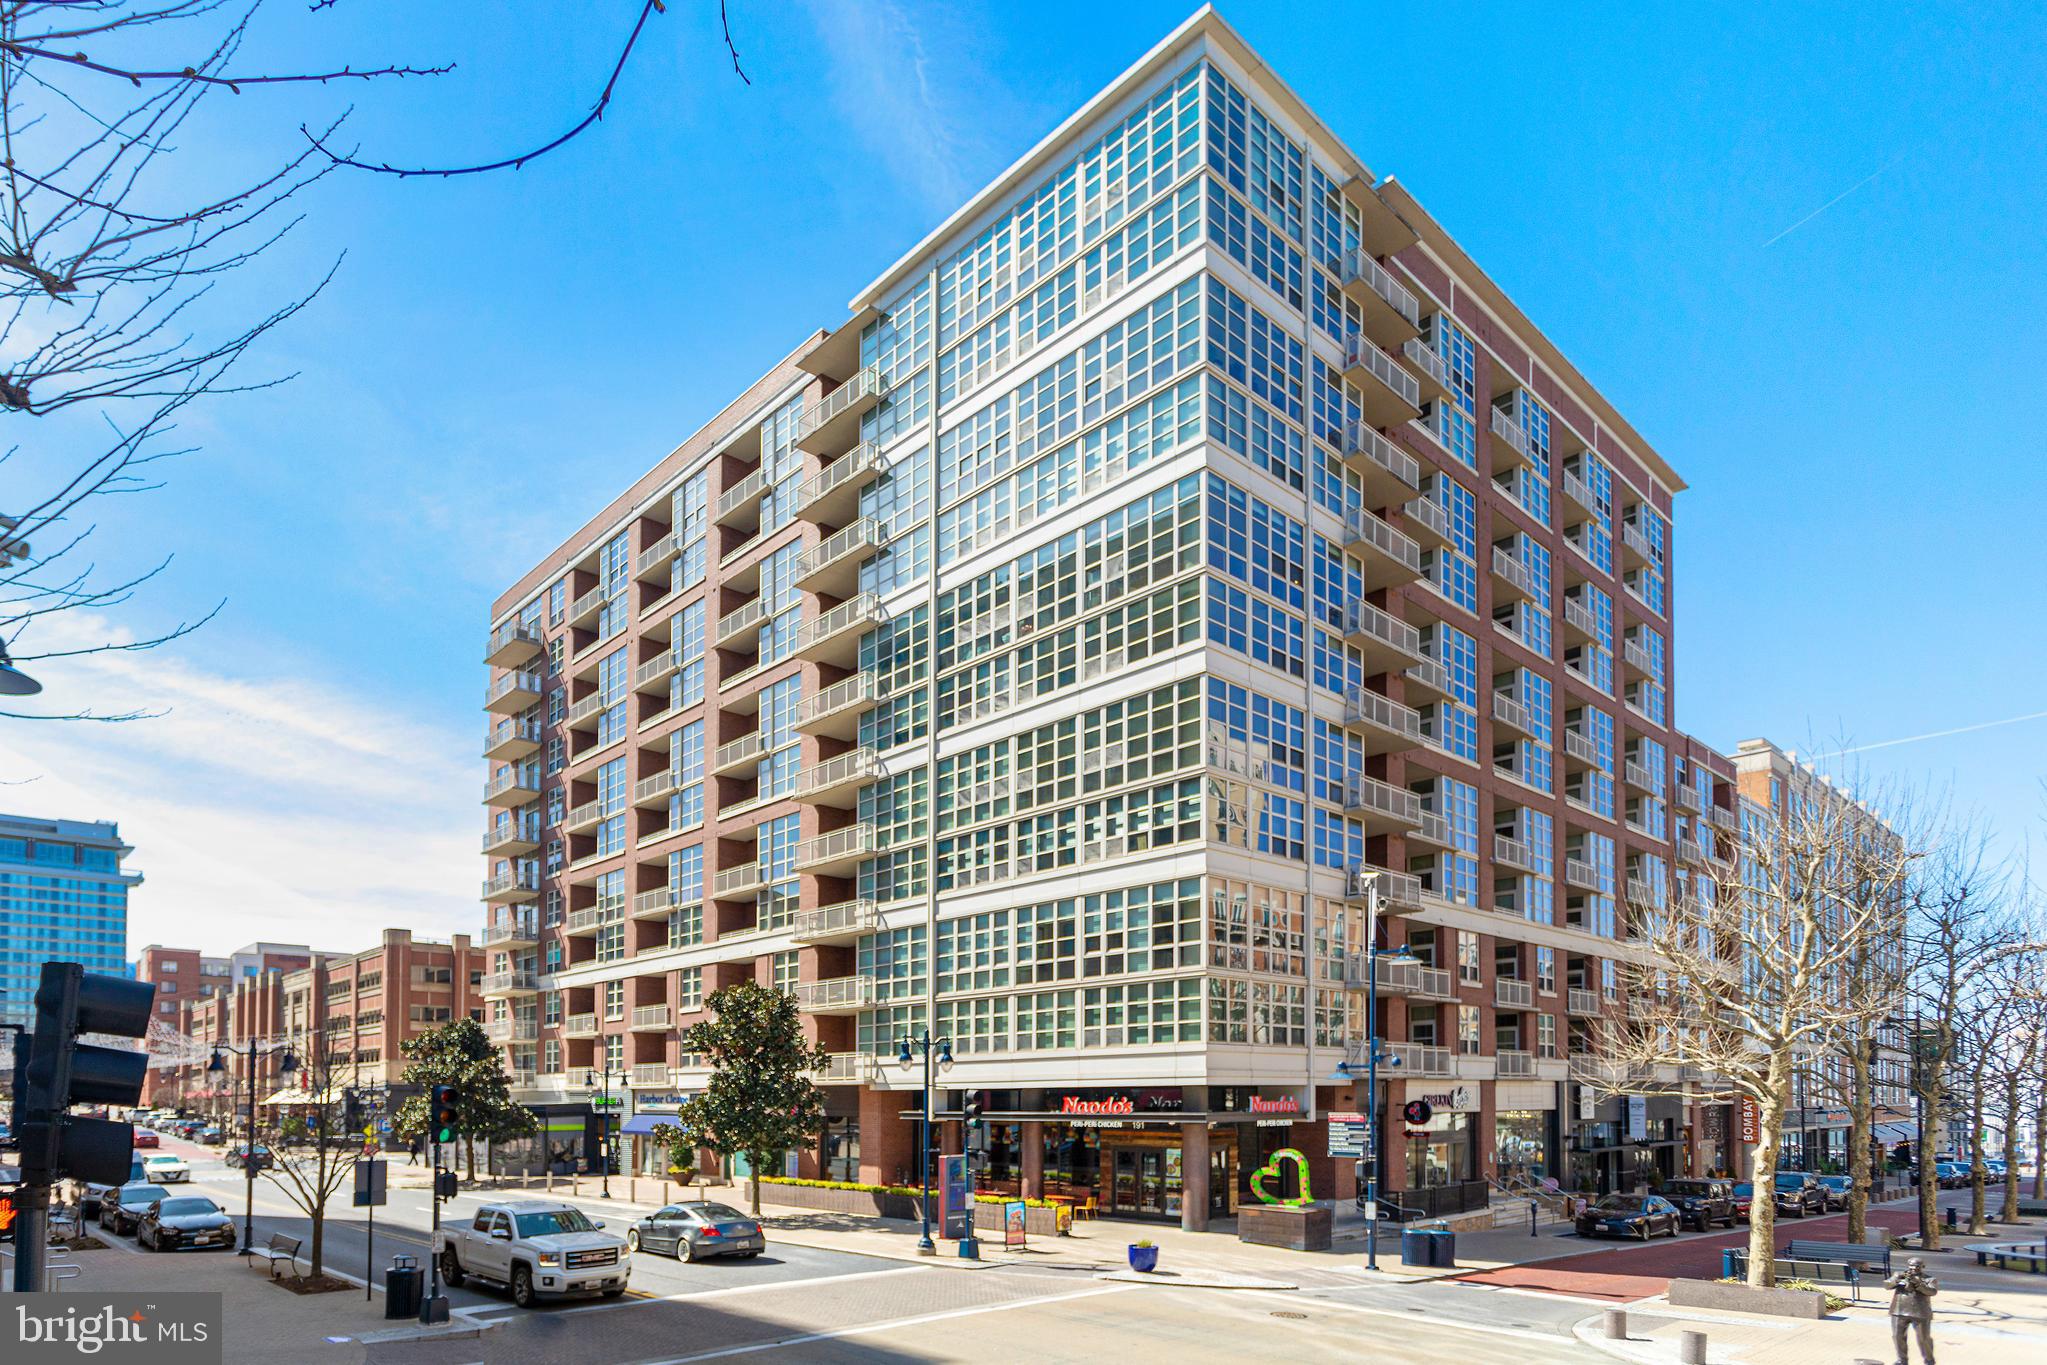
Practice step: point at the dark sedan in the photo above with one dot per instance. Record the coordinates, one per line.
(1630, 1215)
(1702, 1203)
(1837, 1187)
(696, 1230)
(1799, 1194)
(260, 1155)
(188, 1220)
(122, 1210)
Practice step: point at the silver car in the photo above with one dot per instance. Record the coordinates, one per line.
(693, 1231)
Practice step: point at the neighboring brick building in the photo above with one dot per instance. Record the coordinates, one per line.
(184, 979)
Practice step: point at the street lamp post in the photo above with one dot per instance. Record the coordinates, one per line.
(286, 1065)
(904, 1056)
(603, 1120)
(1374, 1051)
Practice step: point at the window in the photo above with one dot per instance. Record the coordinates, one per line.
(689, 993)
(783, 968)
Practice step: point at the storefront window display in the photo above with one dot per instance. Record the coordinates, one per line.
(1003, 1172)
(1521, 1145)
(1073, 1160)
(1442, 1154)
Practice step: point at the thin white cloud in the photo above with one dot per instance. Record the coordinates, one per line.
(881, 80)
(282, 807)
(1830, 203)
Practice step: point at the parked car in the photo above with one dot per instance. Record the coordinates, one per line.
(1630, 1215)
(123, 1209)
(262, 1156)
(1799, 1194)
(166, 1168)
(89, 1200)
(1701, 1203)
(1950, 1175)
(694, 1230)
(1837, 1187)
(145, 1138)
(539, 1248)
(212, 1135)
(189, 1220)
(1744, 1197)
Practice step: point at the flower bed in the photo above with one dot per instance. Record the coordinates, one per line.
(897, 1201)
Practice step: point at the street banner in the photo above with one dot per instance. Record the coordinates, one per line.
(955, 1198)
(1749, 1122)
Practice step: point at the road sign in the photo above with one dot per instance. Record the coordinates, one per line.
(384, 1127)
(1347, 1134)
(369, 1184)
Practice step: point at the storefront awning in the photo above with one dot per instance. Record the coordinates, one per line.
(641, 1125)
(293, 1095)
(1895, 1132)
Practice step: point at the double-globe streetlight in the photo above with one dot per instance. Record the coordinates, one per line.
(1375, 1052)
(286, 1065)
(905, 1055)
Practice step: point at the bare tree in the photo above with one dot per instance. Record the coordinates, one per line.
(313, 1157)
(118, 253)
(1750, 972)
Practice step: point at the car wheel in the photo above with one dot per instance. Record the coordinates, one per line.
(632, 1240)
(685, 1249)
(451, 1269)
(522, 1286)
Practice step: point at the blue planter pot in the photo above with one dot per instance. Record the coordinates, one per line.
(1143, 1260)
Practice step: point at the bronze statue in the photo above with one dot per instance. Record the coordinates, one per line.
(1912, 1307)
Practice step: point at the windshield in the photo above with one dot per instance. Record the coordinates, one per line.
(161, 1161)
(1790, 1182)
(180, 1208)
(715, 1213)
(141, 1194)
(553, 1221)
(1618, 1203)
(1687, 1187)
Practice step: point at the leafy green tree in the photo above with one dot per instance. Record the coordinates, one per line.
(760, 1099)
(460, 1054)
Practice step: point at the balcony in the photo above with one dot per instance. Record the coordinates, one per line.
(739, 505)
(655, 790)
(744, 752)
(516, 932)
(1640, 893)
(1512, 993)
(837, 354)
(835, 711)
(747, 616)
(585, 609)
(742, 880)
(513, 981)
(1579, 625)
(1382, 807)
(1387, 394)
(1391, 312)
(512, 1030)
(839, 995)
(1511, 715)
(511, 836)
(580, 1026)
(583, 714)
(833, 565)
(1517, 854)
(512, 693)
(1383, 724)
(1434, 830)
(1516, 581)
(512, 644)
(1636, 658)
(1580, 875)
(1635, 547)
(648, 1018)
(514, 887)
(833, 424)
(841, 923)
(656, 670)
(1639, 776)
(1582, 1003)
(649, 1076)
(659, 903)
(1689, 851)
(513, 787)
(1388, 643)
(1513, 1065)
(1431, 678)
(1691, 798)
(835, 636)
(1397, 976)
(1511, 444)
(1723, 819)
(1416, 1059)
(844, 1068)
(837, 781)
(1388, 473)
(1428, 367)
(1578, 493)
(1385, 556)
(1580, 752)
(834, 493)
(1429, 523)
(651, 565)
(587, 816)
(591, 918)
(511, 739)
(837, 852)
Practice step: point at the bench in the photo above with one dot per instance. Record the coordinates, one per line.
(277, 1247)
(1852, 1253)
(2029, 1257)
(2033, 1208)
(1819, 1272)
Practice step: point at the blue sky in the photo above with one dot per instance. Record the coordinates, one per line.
(1799, 246)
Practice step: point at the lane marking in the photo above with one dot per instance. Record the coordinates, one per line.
(688, 1295)
(1422, 1317)
(868, 1329)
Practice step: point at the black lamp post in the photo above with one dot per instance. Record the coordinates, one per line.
(904, 1056)
(1375, 1053)
(286, 1065)
(591, 1080)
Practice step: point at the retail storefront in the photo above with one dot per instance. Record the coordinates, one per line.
(1629, 1143)
(638, 1152)
(565, 1141)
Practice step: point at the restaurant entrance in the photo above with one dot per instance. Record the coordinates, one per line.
(1148, 1177)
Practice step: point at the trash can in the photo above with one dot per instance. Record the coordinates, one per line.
(1729, 1263)
(1443, 1249)
(404, 1286)
(1416, 1248)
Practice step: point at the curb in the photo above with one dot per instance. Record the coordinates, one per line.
(1169, 1280)
(467, 1330)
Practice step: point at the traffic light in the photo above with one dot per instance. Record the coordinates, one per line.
(62, 1071)
(975, 1124)
(441, 1113)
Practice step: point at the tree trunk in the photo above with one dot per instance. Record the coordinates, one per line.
(753, 1161)
(469, 1141)
(1929, 1188)
(1762, 1216)
(2040, 1148)
(2009, 1213)
(1978, 1172)
(1861, 1117)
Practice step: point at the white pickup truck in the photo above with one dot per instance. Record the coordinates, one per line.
(538, 1248)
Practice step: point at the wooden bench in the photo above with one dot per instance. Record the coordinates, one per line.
(2032, 1258)
(277, 1247)
(1819, 1272)
(2033, 1208)
(1851, 1253)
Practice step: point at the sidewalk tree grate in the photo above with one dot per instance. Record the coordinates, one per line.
(1293, 1315)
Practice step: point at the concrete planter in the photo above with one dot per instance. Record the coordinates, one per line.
(1741, 1298)
(880, 1204)
(1304, 1228)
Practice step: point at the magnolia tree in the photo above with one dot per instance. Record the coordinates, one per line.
(1752, 971)
(460, 1054)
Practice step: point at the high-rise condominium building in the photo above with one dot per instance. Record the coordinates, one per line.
(1181, 547)
(63, 898)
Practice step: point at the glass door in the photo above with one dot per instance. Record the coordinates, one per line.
(1123, 1198)
(1152, 1182)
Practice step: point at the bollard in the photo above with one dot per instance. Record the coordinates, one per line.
(1616, 1324)
(1691, 1348)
